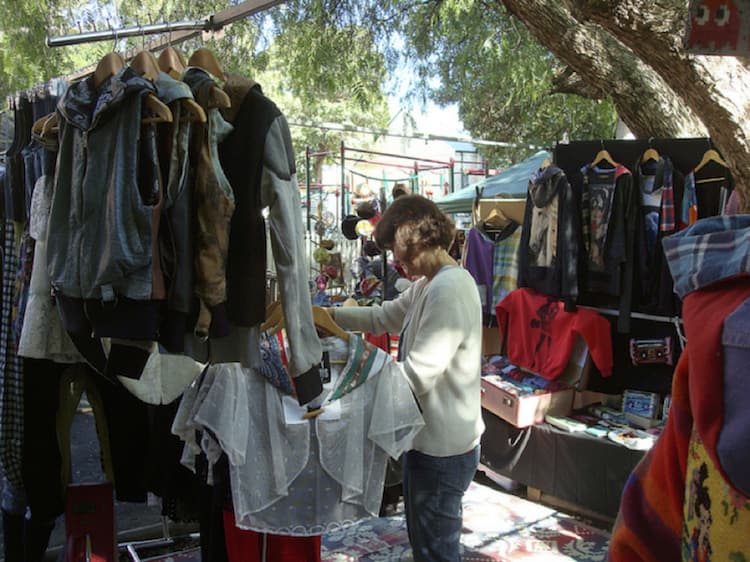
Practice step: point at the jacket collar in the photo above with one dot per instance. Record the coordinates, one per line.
(237, 87)
(169, 90)
(82, 105)
(661, 171)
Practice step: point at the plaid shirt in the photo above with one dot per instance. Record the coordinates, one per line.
(11, 371)
(505, 266)
(710, 250)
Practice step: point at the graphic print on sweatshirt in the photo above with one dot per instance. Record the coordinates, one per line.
(543, 239)
(600, 185)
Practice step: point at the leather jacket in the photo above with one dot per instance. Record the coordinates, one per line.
(214, 207)
(103, 259)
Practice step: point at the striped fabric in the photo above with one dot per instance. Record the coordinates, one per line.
(366, 360)
(667, 222)
(688, 498)
(689, 211)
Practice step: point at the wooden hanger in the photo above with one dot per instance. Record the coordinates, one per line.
(274, 318)
(159, 111)
(603, 156)
(219, 98)
(205, 59)
(192, 111)
(109, 65)
(275, 321)
(50, 125)
(325, 322)
(650, 154)
(144, 63)
(545, 163)
(496, 218)
(710, 156)
(172, 62)
(45, 125)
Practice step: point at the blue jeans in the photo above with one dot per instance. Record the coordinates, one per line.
(433, 490)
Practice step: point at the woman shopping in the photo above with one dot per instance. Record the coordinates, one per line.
(439, 321)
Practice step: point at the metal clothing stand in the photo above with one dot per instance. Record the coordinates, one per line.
(208, 24)
(173, 33)
(674, 320)
(133, 546)
(417, 165)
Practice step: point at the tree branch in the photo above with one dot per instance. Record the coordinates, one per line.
(643, 100)
(709, 86)
(568, 81)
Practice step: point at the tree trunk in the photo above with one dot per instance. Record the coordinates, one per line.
(715, 88)
(643, 100)
(568, 81)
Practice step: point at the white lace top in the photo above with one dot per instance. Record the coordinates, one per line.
(300, 477)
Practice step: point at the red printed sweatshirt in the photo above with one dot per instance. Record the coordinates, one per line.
(539, 335)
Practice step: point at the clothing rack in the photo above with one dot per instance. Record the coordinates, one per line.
(173, 33)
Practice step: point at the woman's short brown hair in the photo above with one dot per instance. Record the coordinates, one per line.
(413, 224)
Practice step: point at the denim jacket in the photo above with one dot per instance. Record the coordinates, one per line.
(100, 222)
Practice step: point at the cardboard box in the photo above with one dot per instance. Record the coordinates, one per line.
(525, 410)
(491, 342)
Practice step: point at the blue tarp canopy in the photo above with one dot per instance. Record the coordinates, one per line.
(512, 182)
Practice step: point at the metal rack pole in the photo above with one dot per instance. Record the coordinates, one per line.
(150, 29)
(190, 29)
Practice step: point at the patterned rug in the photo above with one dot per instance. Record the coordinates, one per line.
(497, 527)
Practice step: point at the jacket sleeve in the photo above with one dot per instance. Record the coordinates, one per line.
(569, 237)
(628, 193)
(523, 245)
(280, 193)
(649, 523)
